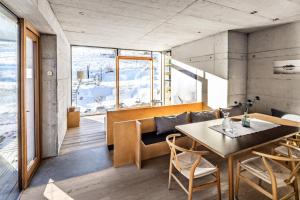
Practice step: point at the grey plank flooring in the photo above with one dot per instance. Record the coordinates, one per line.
(8, 180)
(87, 174)
(90, 134)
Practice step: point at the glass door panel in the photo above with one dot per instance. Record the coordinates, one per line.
(134, 83)
(9, 106)
(30, 100)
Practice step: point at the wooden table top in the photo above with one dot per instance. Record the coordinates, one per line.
(226, 146)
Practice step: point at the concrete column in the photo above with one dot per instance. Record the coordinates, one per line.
(49, 95)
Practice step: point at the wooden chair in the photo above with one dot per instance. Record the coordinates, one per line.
(192, 165)
(267, 168)
(290, 147)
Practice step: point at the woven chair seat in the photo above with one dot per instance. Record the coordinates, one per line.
(257, 168)
(283, 150)
(186, 160)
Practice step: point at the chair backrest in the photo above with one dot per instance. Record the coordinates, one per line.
(294, 141)
(171, 140)
(295, 163)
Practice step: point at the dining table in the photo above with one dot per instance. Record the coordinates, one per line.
(229, 147)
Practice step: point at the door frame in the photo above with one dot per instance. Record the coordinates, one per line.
(27, 30)
(118, 58)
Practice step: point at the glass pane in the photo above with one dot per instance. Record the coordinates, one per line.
(93, 79)
(123, 52)
(29, 100)
(157, 94)
(135, 87)
(185, 90)
(8, 106)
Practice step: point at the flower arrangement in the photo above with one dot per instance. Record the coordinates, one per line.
(246, 105)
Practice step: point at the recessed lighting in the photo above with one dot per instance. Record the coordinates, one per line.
(199, 32)
(253, 12)
(81, 13)
(275, 19)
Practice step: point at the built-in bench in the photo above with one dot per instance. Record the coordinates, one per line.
(153, 145)
(145, 112)
(152, 138)
(137, 140)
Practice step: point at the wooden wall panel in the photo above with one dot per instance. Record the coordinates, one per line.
(124, 150)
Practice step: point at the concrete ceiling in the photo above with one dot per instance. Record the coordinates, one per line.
(162, 24)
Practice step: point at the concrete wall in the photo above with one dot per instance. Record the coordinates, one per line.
(265, 47)
(237, 66)
(49, 94)
(55, 92)
(63, 87)
(63, 80)
(220, 63)
(204, 58)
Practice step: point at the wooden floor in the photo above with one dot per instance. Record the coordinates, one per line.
(8, 180)
(72, 176)
(84, 171)
(90, 134)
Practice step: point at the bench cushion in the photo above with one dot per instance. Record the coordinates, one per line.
(152, 137)
(202, 116)
(166, 124)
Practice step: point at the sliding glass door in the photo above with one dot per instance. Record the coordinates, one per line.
(30, 96)
(30, 102)
(9, 106)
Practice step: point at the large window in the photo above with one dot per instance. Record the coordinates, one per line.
(8, 105)
(94, 79)
(134, 82)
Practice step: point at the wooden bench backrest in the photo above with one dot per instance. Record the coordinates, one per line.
(148, 112)
(147, 125)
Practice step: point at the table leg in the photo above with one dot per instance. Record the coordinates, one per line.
(230, 178)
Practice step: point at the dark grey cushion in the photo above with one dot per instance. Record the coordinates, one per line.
(203, 116)
(277, 113)
(167, 124)
(285, 115)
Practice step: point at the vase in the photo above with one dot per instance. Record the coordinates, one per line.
(226, 124)
(246, 120)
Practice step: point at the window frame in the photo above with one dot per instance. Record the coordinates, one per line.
(118, 59)
(118, 50)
